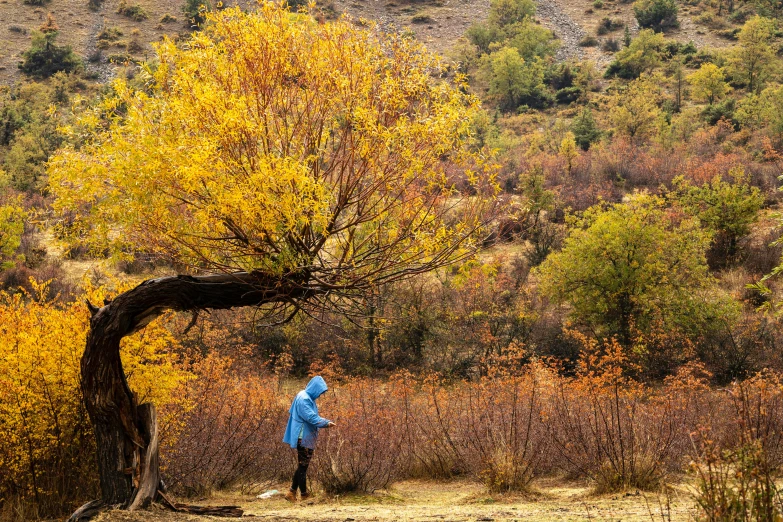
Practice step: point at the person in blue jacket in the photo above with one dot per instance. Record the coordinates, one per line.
(302, 431)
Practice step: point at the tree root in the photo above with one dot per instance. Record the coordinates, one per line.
(95, 507)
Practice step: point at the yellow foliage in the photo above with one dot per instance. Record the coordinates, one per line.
(271, 142)
(12, 218)
(568, 151)
(709, 83)
(635, 111)
(47, 445)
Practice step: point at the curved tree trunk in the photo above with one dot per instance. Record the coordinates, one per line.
(125, 432)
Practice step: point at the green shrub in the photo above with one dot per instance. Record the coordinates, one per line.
(135, 12)
(483, 36)
(729, 34)
(658, 15)
(585, 129)
(195, 12)
(568, 95)
(726, 208)
(559, 76)
(653, 271)
(607, 25)
(531, 40)
(108, 37)
(721, 111)
(45, 58)
(598, 4)
(674, 48)
(642, 55)
(294, 5)
(422, 19)
(507, 12)
(610, 45)
(588, 41)
(709, 19)
(741, 15)
(120, 58)
(699, 58)
(514, 81)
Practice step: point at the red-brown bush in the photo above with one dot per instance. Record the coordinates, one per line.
(611, 429)
(362, 452)
(225, 432)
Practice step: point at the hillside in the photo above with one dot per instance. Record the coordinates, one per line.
(439, 24)
(539, 275)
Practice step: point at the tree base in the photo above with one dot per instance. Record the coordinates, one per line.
(95, 507)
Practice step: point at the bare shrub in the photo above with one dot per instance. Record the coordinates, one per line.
(362, 453)
(762, 254)
(505, 438)
(735, 485)
(432, 414)
(608, 428)
(225, 432)
(756, 405)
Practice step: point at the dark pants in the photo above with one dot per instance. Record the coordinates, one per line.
(303, 456)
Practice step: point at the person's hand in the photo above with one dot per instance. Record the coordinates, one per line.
(330, 424)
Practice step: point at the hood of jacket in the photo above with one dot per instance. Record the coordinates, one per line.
(316, 387)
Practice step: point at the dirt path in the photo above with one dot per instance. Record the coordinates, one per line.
(441, 23)
(553, 17)
(453, 501)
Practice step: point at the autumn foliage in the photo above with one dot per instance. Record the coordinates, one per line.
(222, 416)
(320, 152)
(46, 459)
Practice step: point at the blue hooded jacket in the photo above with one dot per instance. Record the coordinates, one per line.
(303, 415)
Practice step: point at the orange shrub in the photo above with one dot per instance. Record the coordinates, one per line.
(362, 453)
(489, 429)
(227, 430)
(704, 169)
(505, 442)
(756, 405)
(223, 416)
(611, 429)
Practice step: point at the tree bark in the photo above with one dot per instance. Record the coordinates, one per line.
(125, 433)
(148, 473)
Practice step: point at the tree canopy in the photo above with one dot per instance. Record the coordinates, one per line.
(726, 208)
(275, 144)
(629, 264)
(709, 83)
(752, 60)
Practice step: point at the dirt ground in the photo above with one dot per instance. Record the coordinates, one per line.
(451, 501)
(438, 23)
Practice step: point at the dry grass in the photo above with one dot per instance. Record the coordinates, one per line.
(456, 500)
(79, 26)
(446, 23)
(623, 11)
(436, 23)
